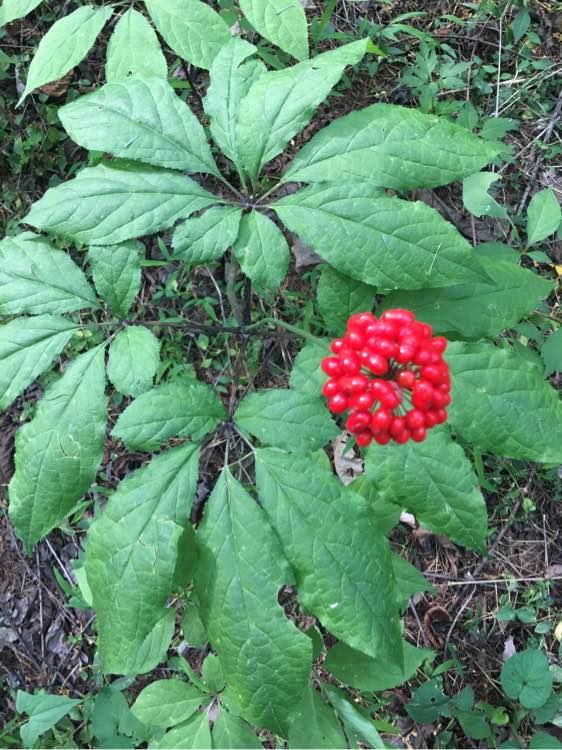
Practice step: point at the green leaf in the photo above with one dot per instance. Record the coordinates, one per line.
(229, 731)
(241, 568)
(28, 347)
(476, 198)
(44, 712)
(192, 28)
(287, 419)
(379, 240)
(392, 147)
(282, 23)
(231, 79)
(193, 735)
(360, 724)
(134, 356)
(520, 24)
(165, 703)
(111, 716)
(35, 278)
(14, 9)
(544, 741)
(212, 675)
(526, 677)
(501, 402)
(105, 205)
(140, 119)
(543, 216)
(262, 250)
(281, 102)
(206, 238)
(133, 49)
(341, 561)
(367, 673)
(175, 409)
(478, 309)
(116, 270)
(307, 377)
(66, 43)
(435, 481)
(474, 724)
(409, 580)
(545, 714)
(315, 724)
(131, 554)
(551, 352)
(386, 514)
(428, 703)
(340, 296)
(192, 628)
(59, 451)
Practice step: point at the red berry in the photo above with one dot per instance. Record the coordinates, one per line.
(354, 339)
(350, 364)
(403, 437)
(439, 344)
(381, 420)
(398, 426)
(362, 401)
(331, 366)
(363, 439)
(430, 418)
(377, 364)
(330, 388)
(337, 403)
(383, 329)
(441, 416)
(337, 345)
(434, 374)
(358, 420)
(422, 395)
(423, 357)
(419, 434)
(406, 379)
(360, 320)
(382, 438)
(441, 399)
(403, 317)
(406, 353)
(415, 419)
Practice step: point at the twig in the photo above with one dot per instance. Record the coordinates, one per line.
(40, 605)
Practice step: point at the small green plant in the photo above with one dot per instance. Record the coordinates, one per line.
(276, 517)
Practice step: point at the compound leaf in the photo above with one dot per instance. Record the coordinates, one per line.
(501, 402)
(131, 554)
(174, 409)
(58, 452)
(378, 239)
(315, 724)
(140, 119)
(105, 205)
(116, 271)
(205, 238)
(231, 79)
(340, 296)
(282, 23)
(134, 356)
(478, 309)
(192, 28)
(374, 674)
(435, 481)
(133, 49)
(28, 346)
(165, 703)
(229, 731)
(342, 563)
(35, 278)
(262, 251)
(292, 420)
(543, 216)
(392, 147)
(65, 44)
(281, 102)
(241, 568)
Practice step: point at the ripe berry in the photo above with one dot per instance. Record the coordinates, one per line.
(380, 365)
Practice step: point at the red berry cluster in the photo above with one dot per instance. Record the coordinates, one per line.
(410, 392)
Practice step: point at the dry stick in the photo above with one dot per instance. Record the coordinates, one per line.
(40, 605)
(554, 120)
